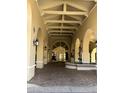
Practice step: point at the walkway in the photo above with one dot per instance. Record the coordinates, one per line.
(55, 78)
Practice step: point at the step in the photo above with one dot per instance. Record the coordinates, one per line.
(80, 66)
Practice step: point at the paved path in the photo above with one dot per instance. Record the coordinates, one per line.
(54, 77)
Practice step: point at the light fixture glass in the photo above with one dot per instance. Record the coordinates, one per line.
(35, 42)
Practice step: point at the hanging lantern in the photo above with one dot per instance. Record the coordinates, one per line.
(35, 42)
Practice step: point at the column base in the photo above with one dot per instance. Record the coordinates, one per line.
(39, 64)
(45, 61)
(30, 72)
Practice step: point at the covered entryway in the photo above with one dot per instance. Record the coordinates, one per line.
(59, 32)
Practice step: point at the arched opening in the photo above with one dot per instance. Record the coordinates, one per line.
(90, 36)
(92, 51)
(77, 45)
(60, 52)
(93, 56)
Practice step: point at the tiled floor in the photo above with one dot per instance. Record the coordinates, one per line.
(54, 77)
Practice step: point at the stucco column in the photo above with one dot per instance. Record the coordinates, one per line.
(30, 47)
(50, 55)
(86, 54)
(45, 57)
(39, 63)
(86, 57)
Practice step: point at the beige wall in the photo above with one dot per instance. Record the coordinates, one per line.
(43, 39)
(34, 21)
(89, 24)
(77, 44)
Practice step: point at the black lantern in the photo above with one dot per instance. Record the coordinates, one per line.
(35, 42)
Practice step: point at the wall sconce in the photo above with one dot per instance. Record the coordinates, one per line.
(35, 42)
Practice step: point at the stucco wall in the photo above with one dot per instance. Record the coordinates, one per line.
(33, 23)
(89, 24)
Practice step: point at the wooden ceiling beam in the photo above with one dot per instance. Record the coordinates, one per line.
(66, 13)
(62, 27)
(61, 31)
(61, 21)
(61, 34)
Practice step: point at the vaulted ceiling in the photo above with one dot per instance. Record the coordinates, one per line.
(64, 17)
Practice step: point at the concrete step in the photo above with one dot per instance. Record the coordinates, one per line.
(80, 66)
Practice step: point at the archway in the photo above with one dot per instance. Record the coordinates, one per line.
(90, 36)
(77, 45)
(93, 56)
(60, 51)
(92, 51)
